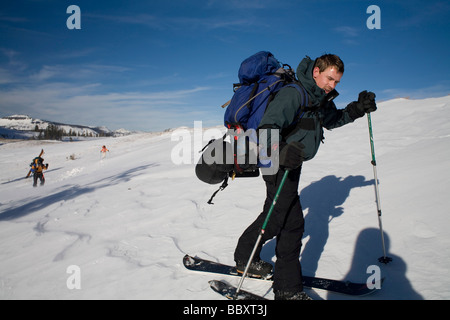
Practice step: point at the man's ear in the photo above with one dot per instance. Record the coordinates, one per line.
(316, 72)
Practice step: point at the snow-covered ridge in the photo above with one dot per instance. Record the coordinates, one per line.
(26, 127)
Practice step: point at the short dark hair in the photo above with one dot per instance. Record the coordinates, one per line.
(329, 60)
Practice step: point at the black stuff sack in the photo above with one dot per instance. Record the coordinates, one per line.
(216, 162)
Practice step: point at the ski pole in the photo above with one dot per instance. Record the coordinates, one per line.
(384, 259)
(263, 228)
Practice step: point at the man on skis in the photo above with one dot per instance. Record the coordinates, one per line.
(319, 78)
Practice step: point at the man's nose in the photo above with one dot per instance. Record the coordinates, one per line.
(333, 84)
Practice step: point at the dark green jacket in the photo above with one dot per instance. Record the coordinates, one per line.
(319, 114)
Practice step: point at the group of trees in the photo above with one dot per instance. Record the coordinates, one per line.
(54, 132)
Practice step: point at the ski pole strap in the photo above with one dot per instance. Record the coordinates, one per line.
(223, 186)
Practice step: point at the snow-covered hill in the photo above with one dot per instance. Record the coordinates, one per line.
(26, 127)
(126, 221)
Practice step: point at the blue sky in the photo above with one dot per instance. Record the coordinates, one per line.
(153, 65)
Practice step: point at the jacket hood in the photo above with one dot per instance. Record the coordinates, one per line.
(305, 76)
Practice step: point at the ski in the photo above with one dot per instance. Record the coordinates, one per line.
(337, 286)
(229, 291)
(40, 155)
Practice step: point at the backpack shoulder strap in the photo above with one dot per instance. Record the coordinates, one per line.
(286, 132)
(302, 91)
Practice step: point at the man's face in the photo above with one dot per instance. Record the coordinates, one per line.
(328, 79)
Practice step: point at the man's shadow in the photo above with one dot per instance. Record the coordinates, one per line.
(323, 199)
(368, 248)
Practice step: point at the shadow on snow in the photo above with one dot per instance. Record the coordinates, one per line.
(70, 192)
(324, 200)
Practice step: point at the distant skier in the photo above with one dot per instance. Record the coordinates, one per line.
(32, 162)
(37, 168)
(103, 152)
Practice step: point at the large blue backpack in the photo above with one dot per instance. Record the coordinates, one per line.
(261, 76)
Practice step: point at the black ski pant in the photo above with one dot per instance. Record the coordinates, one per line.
(39, 176)
(286, 224)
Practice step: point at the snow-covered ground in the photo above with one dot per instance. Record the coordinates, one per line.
(122, 225)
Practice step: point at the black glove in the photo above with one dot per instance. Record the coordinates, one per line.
(292, 155)
(365, 104)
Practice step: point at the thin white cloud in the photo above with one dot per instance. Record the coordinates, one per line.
(71, 103)
(247, 5)
(6, 77)
(14, 19)
(182, 22)
(347, 31)
(13, 59)
(425, 13)
(46, 73)
(138, 19)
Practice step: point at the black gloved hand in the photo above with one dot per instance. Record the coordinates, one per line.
(365, 104)
(292, 155)
(367, 99)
